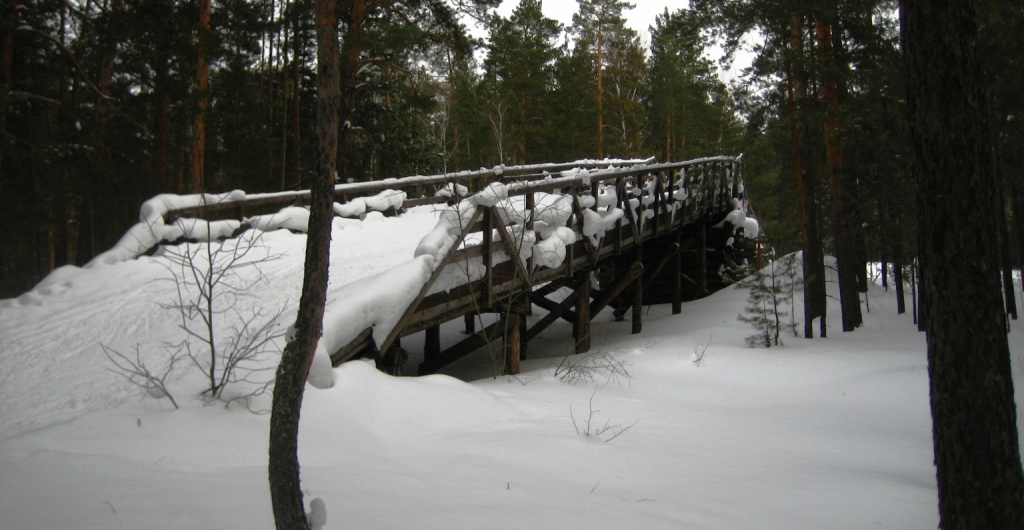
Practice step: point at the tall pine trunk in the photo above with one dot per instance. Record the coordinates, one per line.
(842, 198)
(980, 481)
(600, 93)
(203, 100)
(285, 489)
(806, 182)
(355, 13)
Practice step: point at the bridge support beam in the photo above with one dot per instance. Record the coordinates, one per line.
(432, 342)
(581, 328)
(638, 304)
(677, 275)
(392, 361)
(515, 336)
(702, 260)
(513, 343)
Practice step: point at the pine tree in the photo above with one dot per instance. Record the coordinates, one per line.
(764, 310)
(601, 35)
(977, 456)
(682, 119)
(519, 67)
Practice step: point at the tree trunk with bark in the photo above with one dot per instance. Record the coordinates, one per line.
(203, 100)
(354, 16)
(285, 490)
(806, 183)
(980, 481)
(842, 198)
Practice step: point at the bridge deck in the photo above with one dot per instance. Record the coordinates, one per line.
(666, 207)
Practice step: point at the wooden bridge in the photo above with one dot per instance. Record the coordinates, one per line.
(620, 230)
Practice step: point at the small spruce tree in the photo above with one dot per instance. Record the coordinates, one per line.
(763, 310)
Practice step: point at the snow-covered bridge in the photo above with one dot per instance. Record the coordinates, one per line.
(570, 239)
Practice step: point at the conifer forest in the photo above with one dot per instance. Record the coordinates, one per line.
(105, 103)
(882, 132)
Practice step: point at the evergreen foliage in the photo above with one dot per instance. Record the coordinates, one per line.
(770, 290)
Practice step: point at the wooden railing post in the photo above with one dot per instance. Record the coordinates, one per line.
(432, 342)
(581, 329)
(638, 305)
(702, 259)
(515, 337)
(488, 258)
(677, 274)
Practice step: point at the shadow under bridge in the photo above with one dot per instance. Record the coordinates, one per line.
(621, 237)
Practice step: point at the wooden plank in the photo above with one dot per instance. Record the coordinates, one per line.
(463, 348)
(634, 227)
(587, 244)
(620, 191)
(582, 327)
(557, 312)
(424, 200)
(513, 340)
(531, 211)
(535, 175)
(702, 259)
(550, 287)
(407, 316)
(362, 342)
(638, 305)
(551, 307)
(672, 252)
(606, 297)
(488, 259)
(393, 359)
(513, 252)
(432, 342)
(677, 275)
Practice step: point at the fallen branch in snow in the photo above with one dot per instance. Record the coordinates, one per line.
(140, 375)
(591, 429)
(588, 367)
(699, 349)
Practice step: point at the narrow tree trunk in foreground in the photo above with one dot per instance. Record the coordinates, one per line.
(203, 95)
(980, 481)
(285, 491)
(806, 183)
(842, 196)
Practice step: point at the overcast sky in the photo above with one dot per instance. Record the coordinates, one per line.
(639, 18)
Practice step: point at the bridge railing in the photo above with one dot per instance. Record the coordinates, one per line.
(483, 268)
(416, 187)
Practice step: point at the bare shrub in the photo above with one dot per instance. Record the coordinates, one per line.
(593, 366)
(699, 349)
(588, 427)
(217, 283)
(142, 376)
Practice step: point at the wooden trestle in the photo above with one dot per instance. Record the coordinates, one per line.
(633, 254)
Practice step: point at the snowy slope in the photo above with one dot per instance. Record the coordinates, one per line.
(831, 433)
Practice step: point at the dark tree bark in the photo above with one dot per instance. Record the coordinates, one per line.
(285, 491)
(203, 100)
(806, 183)
(842, 199)
(980, 481)
(354, 16)
(6, 62)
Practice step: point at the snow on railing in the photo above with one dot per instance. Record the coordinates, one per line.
(536, 203)
(161, 219)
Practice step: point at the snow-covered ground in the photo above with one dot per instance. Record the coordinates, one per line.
(832, 433)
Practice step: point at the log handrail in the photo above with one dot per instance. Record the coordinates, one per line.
(521, 179)
(716, 186)
(358, 189)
